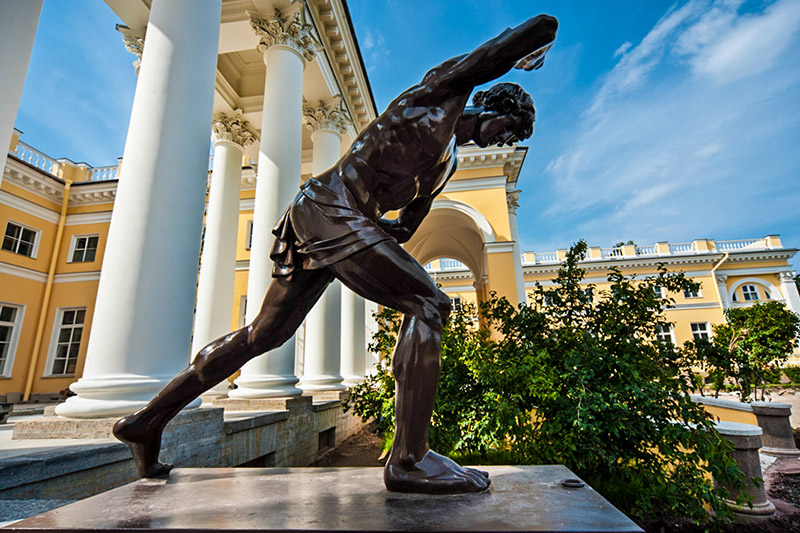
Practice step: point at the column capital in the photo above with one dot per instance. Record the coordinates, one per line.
(327, 114)
(512, 199)
(722, 280)
(232, 128)
(286, 27)
(786, 277)
(134, 43)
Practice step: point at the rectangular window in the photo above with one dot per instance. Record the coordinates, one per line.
(10, 322)
(84, 248)
(456, 303)
(242, 311)
(689, 293)
(664, 333)
(700, 330)
(20, 240)
(750, 293)
(66, 341)
(248, 236)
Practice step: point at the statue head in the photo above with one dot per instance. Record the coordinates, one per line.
(507, 115)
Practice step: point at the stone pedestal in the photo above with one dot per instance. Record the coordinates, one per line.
(773, 419)
(522, 498)
(746, 440)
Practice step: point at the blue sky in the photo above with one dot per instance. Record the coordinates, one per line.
(655, 120)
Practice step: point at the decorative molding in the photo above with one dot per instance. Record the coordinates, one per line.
(77, 277)
(92, 193)
(458, 288)
(474, 184)
(288, 28)
(512, 199)
(21, 272)
(233, 128)
(786, 277)
(510, 157)
(28, 207)
(102, 217)
(330, 115)
(483, 225)
(33, 180)
(134, 43)
(721, 280)
(499, 247)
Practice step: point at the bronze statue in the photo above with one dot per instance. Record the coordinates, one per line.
(334, 229)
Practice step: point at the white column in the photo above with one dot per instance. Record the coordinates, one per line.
(324, 323)
(789, 290)
(18, 22)
(512, 199)
(371, 327)
(354, 340)
(286, 43)
(218, 260)
(142, 322)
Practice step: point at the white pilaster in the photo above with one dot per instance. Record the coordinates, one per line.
(722, 285)
(789, 290)
(218, 261)
(143, 316)
(18, 22)
(286, 43)
(324, 324)
(512, 199)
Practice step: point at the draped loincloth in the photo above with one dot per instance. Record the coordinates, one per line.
(323, 225)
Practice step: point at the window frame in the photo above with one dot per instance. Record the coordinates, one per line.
(37, 238)
(54, 342)
(706, 330)
(74, 244)
(747, 295)
(8, 364)
(693, 294)
(248, 235)
(670, 331)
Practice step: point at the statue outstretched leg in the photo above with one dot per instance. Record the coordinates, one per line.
(285, 306)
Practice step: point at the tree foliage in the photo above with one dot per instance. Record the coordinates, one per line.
(750, 347)
(579, 379)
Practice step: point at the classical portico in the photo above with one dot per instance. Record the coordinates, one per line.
(268, 62)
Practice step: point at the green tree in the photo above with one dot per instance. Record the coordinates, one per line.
(581, 383)
(751, 345)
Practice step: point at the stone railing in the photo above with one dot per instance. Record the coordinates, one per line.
(732, 246)
(34, 157)
(63, 168)
(661, 249)
(106, 173)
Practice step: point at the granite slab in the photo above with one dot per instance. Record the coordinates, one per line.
(521, 498)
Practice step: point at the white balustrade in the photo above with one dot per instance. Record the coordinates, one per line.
(732, 246)
(31, 155)
(106, 173)
(680, 248)
(649, 249)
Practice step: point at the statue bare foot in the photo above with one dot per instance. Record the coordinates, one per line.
(433, 474)
(145, 446)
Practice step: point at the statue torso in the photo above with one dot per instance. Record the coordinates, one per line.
(407, 152)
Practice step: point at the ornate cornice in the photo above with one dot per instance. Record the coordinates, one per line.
(512, 199)
(134, 43)
(288, 28)
(330, 114)
(233, 128)
(786, 277)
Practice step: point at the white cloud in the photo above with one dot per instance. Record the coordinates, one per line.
(623, 48)
(679, 150)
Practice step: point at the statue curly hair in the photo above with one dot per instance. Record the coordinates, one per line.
(509, 99)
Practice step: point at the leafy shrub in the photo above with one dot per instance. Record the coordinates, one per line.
(750, 347)
(793, 373)
(583, 384)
